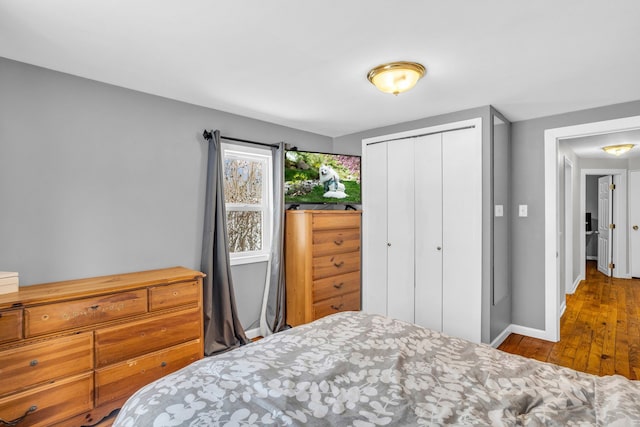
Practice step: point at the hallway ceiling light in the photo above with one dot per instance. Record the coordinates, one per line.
(396, 77)
(618, 150)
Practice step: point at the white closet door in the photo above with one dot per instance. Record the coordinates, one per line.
(374, 237)
(462, 234)
(400, 226)
(428, 231)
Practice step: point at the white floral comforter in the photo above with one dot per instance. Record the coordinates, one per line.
(354, 369)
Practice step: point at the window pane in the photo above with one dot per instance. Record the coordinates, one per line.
(243, 181)
(245, 231)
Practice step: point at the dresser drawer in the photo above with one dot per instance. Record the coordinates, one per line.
(53, 402)
(44, 361)
(335, 221)
(336, 285)
(332, 242)
(123, 379)
(124, 342)
(10, 325)
(346, 302)
(83, 312)
(332, 265)
(173, 295)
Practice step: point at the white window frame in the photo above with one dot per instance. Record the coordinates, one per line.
(265, 156)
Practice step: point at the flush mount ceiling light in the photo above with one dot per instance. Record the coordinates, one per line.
(617, 150)
(396, 77)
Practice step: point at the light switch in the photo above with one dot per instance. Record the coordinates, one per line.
(499, 210)
(522, 210)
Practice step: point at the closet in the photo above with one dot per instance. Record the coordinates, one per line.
(422, 240)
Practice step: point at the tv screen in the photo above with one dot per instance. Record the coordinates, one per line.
(315, 178)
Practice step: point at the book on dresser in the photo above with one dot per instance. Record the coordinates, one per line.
(73, 352)
(322, 263)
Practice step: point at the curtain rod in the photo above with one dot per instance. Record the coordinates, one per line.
(208, 135)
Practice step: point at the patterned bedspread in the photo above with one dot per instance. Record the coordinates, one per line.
(354, 369)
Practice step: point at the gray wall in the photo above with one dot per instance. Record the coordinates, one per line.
(634, 163)
(352, 144)
(97, 179)
(527, 140)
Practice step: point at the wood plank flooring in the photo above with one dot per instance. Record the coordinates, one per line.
(599, 331)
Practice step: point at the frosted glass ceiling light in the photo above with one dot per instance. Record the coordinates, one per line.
(618, 150)
(396, 77)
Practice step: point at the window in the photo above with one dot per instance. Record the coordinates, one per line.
(248, 199)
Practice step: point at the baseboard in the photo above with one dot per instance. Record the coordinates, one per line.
(563, 307)
(530, 332)
(500, 338)
(575, 285)
(592, 258)
(252, 333)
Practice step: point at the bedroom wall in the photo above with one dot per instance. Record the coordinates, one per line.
(352, 144)
(634, 163)
(97, 179)
(527, 234)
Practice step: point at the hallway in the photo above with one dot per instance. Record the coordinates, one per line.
(600, 329)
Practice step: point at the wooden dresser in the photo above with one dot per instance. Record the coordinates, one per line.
(322, 251)
(72, 352)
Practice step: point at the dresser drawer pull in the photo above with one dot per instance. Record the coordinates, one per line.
(163, 364)
(338, 264)
(338, 285)
(18, 420)
(94, 307)
(338, 242)
(34, 362)
(337, 307)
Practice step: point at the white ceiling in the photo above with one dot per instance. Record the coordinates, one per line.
(303, 63)
(591, 146)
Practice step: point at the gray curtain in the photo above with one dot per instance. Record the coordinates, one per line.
(222, 328)
(273, 314)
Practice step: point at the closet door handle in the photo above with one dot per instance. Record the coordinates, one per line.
(635, 227)
(439, 248)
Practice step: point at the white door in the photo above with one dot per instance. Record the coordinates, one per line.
(400, 229)
(462, 234)
(374, 236)
(428, 231)
(605, 203)
(634, 221)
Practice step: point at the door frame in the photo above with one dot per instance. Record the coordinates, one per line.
(568, 231)
(551, 217)
(620, 242)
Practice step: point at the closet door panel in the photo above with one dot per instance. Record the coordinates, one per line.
(400, 226)
(462, 233)
(374, 273)
(428, 231)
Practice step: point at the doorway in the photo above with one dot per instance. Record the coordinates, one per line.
(552, 218)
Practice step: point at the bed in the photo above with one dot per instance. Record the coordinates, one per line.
(355, 369)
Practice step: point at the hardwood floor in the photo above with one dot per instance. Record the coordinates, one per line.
(599, 331)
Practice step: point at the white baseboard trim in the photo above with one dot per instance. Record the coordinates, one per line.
(530, 332)
(575, 285)
(592, 258)
(563, 307)
(252, 333)
(500, 338)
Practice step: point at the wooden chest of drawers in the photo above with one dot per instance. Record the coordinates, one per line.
(72, 352)
(322, 250)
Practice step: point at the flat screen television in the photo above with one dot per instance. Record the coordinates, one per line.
(316, 178)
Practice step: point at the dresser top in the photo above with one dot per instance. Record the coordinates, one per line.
(322, 212)
(59, 291)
